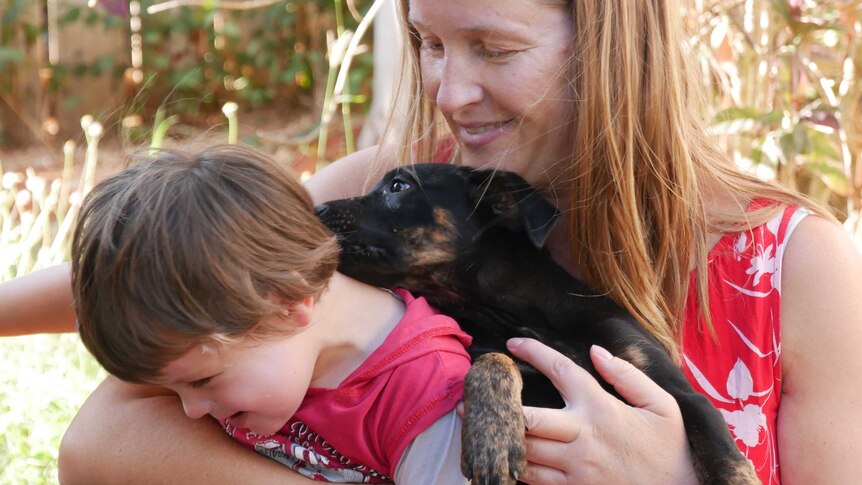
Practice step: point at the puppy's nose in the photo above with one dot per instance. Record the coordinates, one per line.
(321, 209)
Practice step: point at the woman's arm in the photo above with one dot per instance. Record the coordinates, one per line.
(126, 433)
(820, 417)
(352, 175)
(40, 302)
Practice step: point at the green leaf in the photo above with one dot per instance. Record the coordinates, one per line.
(71, 102)
(231, 30)
(91, 18)
(822, 145)
(32, 32)
(10, 56)
(734, 121)
(14, 10)
(69, 16)
(103, 64)
(831, 174)
(160, 62)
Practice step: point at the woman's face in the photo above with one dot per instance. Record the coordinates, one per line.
(497, 71)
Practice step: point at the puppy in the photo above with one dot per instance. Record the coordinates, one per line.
(472, 243)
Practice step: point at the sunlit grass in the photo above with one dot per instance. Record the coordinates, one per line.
(44, 379)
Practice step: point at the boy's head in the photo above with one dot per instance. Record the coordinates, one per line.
(183, 249)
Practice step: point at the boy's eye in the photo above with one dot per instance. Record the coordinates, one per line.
(200, 382)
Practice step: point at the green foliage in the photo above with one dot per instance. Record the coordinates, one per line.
(44, 379)
(786, 92)
(193, 58)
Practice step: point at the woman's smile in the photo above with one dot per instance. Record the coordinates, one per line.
(497, 73)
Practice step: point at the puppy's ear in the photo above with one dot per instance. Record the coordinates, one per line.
(538, 216)
(518, 206)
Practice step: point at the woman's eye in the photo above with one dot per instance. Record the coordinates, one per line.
(430, 45)
(398, 185)
(495, 54)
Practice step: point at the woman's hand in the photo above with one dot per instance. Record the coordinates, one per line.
(597, 438)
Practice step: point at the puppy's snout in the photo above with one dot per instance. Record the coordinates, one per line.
(321, 209)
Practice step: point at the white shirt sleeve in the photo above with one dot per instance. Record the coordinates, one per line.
(434, 456)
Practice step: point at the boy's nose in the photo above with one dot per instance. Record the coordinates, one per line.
(197, 408)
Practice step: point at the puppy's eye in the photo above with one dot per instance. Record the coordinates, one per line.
(398, 185)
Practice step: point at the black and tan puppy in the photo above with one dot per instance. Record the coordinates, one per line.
(471, 242)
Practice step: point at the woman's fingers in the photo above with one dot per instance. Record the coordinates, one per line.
(569, 378)
(544, 475)
(632, 384)
(590, 440)
(552, 424)
(547, 452)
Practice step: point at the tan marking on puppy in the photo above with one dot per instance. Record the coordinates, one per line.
(433, 245)
(635, 356)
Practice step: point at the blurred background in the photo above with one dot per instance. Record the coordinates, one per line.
(83, 82)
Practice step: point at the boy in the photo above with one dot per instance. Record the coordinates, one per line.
(209, 274)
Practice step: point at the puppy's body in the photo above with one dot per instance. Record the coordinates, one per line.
(472, 244)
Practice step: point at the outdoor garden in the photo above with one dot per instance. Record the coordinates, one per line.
(84, 82)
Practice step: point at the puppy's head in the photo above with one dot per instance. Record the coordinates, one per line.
(429, 224)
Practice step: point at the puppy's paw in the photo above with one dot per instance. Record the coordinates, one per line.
(492, 437)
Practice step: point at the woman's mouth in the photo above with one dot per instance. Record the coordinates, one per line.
(479, 135)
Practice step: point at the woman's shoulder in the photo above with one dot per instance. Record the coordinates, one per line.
(351, 175)
(820, 284)
(821, 264)
(821, 316)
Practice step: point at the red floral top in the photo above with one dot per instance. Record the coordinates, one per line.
(741, 371)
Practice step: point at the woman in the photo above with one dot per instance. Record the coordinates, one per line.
(591, 101)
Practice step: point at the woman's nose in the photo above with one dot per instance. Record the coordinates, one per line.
(459, 86)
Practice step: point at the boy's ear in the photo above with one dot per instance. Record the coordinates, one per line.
(301, 312)
(298, 312)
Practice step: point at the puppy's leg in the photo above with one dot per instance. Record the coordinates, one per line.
(717, 460)
(492, 438)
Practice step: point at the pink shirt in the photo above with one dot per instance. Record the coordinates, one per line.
(740, 372)
(358, 431)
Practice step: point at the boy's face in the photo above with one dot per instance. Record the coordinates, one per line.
(257, 384)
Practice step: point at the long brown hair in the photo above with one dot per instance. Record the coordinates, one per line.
(640, 165)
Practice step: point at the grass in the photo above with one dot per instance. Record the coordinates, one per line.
(44, 379)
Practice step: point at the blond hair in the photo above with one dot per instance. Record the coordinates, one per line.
(639, 164)
(185, 248)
